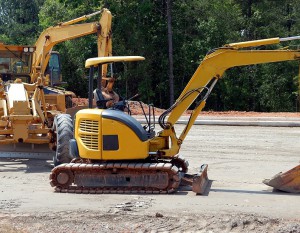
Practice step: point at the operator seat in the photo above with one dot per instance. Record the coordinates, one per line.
(100, 101)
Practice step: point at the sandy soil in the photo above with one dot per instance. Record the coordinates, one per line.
(239, 159)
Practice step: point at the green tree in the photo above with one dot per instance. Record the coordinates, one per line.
(254, 88)
(139, 28)
(18, 21)
(198, 26)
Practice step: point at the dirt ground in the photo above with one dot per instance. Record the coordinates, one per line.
(135, 108)
(239, 158)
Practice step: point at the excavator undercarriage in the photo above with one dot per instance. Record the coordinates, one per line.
(163, 176)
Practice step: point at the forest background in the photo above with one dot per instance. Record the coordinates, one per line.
(140, 27)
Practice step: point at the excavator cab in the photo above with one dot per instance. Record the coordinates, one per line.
(106, 98)
(100, 131)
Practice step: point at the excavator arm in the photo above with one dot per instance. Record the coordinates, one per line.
(205, 77)
(70, 30)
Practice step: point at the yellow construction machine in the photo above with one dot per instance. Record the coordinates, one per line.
(115, 154)
(33, 106)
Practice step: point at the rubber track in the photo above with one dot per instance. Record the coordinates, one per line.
(173, 172)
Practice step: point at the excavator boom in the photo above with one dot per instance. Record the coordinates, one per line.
(70, 30)
(204, 79)
(208, 73)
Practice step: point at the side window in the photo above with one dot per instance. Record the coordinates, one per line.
(54, 62)
(53, 69)
(4, 65)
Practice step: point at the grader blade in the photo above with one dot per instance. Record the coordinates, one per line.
(26, 151)
(288, 181)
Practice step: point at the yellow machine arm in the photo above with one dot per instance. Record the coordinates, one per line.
(207, 74)
(70, 30)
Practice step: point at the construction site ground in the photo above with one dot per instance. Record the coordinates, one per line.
(239, 158)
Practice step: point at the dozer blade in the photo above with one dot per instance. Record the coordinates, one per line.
(288, 181)
(198, 181)
(26, 151)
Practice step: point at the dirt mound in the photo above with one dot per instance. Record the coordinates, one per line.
(137, 107)
(133, 222)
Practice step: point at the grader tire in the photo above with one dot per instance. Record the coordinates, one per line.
(63, 132)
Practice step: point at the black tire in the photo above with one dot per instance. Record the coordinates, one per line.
(63, 132)
(69, 102)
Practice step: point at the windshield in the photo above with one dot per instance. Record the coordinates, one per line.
(15, 62)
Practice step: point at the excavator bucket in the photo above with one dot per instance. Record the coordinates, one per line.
(288, 181)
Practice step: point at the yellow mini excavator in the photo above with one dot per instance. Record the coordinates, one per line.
(115, 154)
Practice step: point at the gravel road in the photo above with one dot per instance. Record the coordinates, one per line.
(239, 158)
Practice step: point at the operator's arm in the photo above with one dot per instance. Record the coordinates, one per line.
(111, 97)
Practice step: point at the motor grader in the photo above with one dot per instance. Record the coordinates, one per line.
(115, 154)
(34, 109)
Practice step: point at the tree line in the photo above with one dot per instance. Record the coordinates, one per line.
(140, 27)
